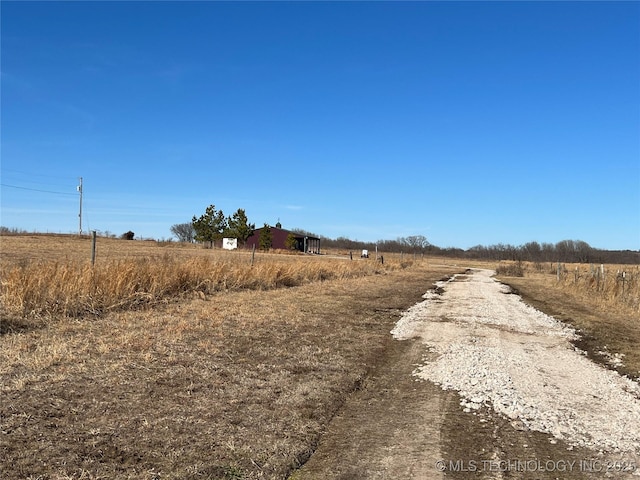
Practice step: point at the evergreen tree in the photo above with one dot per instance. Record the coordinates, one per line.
(266, 238)
(238, 226)
(291, 243)
(210, 226)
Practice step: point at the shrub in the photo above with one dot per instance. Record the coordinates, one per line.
(510, 269)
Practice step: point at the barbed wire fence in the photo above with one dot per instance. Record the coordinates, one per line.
(614, 283)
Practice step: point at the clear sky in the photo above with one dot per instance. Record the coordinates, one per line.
(468, 123)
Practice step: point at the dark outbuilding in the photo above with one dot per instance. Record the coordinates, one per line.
(279, 240)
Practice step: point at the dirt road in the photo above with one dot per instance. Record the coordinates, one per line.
(477, 384)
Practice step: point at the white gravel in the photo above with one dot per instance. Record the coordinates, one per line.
(498, 352)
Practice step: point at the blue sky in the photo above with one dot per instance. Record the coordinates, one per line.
(469, 123)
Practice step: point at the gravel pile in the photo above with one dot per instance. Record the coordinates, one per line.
(500, 353)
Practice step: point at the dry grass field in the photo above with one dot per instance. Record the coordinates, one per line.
(176, 362)
(616, 287)
(224, 383)
(48, 276)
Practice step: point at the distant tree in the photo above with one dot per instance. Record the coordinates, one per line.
(266, 237)
(564, 250)
(291, 243)
(128, 235)
(304, 233)
(210, 226)
(583, 251)
(548, 253)
(342, 242)
(238, 226)
(532, 251)
(397, 245)
(417, 242)
(479, 251)
(183, 231)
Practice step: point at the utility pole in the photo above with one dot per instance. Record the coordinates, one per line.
(80, 214)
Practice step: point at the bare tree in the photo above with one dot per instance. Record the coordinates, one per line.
(417, 242)
(183, 231)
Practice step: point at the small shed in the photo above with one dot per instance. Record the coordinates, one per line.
(229, 243)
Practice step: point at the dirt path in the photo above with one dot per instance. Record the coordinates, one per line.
(368, 439)
(483, 386)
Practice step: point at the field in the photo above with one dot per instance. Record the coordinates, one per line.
(55, 277)
(232, 371)
(233, 383)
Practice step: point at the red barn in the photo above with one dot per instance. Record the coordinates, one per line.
(279, 240)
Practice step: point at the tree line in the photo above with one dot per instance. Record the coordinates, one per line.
(213, 225)
(565, 251)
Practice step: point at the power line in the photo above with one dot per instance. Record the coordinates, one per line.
(31, 174)
(37, 190)
(32, 182)
(41, 181)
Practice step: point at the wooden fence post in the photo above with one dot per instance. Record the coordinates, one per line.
(93, 247)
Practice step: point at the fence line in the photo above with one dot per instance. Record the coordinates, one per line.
(613, 283)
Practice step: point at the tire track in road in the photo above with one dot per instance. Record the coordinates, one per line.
(389, 429)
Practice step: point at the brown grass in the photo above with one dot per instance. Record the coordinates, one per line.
(217, 377)
(231, 384)
(72, 289)
(614, 287)
(133, 274)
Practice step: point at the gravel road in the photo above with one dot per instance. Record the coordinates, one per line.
(499, 353)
